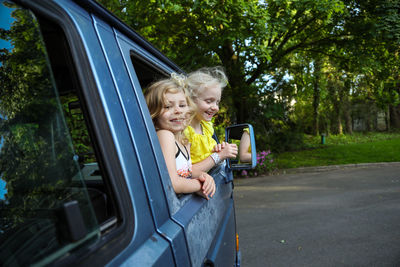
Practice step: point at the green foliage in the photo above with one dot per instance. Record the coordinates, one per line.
(347, 139)
(77, 127)
(249, 38)
(262, 43)
(286, 140)
(16, 96)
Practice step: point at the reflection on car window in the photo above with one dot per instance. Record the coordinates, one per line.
(40, 178)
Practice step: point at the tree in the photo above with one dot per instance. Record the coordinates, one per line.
(375, 26)
(249, 38)
(256, 41)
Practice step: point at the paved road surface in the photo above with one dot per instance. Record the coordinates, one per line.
(347, 217)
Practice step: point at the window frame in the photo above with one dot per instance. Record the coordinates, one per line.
(175, 202)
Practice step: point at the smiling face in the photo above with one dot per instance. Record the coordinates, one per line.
(174, 113)
(208, 103)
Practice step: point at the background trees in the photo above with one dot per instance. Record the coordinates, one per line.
(292, 65)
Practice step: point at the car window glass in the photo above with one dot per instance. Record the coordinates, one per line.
(46, 209)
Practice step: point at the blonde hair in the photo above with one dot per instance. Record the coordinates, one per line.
(204, 78)
(155, 98)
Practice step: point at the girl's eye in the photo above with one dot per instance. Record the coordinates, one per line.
(167, 107)
(182, 106)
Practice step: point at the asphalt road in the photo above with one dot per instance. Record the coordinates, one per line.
(348, 217)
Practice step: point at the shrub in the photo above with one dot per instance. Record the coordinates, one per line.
(265, 165)
(286, 140)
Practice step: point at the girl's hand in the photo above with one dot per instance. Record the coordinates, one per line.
(228, 151)
(208, 185)
(218, 147)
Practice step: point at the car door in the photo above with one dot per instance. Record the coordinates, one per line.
(208, 226)
(129, 91)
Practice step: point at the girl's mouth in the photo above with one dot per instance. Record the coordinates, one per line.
(179, 120)
(210, 113)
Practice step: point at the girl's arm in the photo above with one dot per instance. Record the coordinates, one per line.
(208, 188)
(168, 147)
(203, 166)
(244, 154)
(227, 151)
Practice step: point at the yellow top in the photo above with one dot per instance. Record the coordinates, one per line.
(201, 144)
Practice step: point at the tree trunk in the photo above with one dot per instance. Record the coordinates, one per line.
(328, 127)
(240, 90)
(369, 121)
(339, 125)
(347, 118)
(316, 96)
(337, 120)
(395, 116)
(387, 118)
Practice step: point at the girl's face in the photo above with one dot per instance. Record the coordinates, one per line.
(208, 103)
(174, 113)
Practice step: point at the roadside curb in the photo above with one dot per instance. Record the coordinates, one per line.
(335, 167)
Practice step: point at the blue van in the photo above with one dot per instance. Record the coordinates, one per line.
(83, 180)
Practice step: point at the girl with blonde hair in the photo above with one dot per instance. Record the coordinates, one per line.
(205, 88)
(171, 110)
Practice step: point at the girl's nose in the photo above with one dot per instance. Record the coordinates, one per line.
(178, 109)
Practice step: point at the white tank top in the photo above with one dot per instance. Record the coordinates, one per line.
(183, 163)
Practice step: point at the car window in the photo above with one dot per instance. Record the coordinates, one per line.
(53, 194)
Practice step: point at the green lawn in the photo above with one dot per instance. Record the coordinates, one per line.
(343, 149)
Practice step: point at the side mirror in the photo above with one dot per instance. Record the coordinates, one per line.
(243, 136)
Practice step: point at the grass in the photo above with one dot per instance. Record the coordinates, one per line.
(343, 149)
